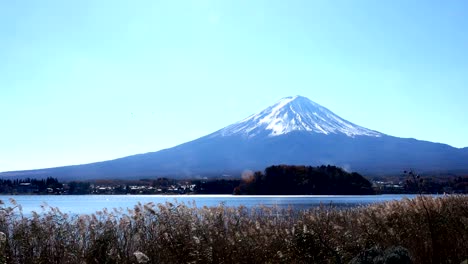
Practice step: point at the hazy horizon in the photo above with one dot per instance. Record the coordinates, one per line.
(91, 81)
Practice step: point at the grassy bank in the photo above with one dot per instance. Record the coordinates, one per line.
(422, 230)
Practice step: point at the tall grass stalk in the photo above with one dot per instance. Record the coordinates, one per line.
(185, 233)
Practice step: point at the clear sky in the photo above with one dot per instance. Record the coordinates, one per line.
(87, 80)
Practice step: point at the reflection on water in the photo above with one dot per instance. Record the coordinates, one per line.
(86, 204)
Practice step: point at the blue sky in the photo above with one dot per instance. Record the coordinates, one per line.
(84, 81)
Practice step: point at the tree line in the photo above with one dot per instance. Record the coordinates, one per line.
(304, 180)
(28, 185)
(274, 180)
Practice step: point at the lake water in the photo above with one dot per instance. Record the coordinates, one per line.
(87, 204)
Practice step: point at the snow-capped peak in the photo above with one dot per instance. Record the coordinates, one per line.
(295, 113)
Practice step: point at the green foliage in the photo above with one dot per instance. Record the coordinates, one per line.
(291, 180)
(216, 186)
(79, 187)
(28, 185)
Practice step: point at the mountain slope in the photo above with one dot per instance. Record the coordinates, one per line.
(295, 114)
(293, 131)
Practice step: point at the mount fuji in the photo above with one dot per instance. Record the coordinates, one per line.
(295, 114)
(295, 131)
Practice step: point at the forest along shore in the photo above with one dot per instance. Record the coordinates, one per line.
(275, 180)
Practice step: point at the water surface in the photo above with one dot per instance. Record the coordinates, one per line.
(86, 204)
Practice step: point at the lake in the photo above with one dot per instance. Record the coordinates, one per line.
(87, 204)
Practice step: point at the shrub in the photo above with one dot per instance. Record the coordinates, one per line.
(392, 232)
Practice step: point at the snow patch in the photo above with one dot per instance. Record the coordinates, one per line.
(295, 114)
